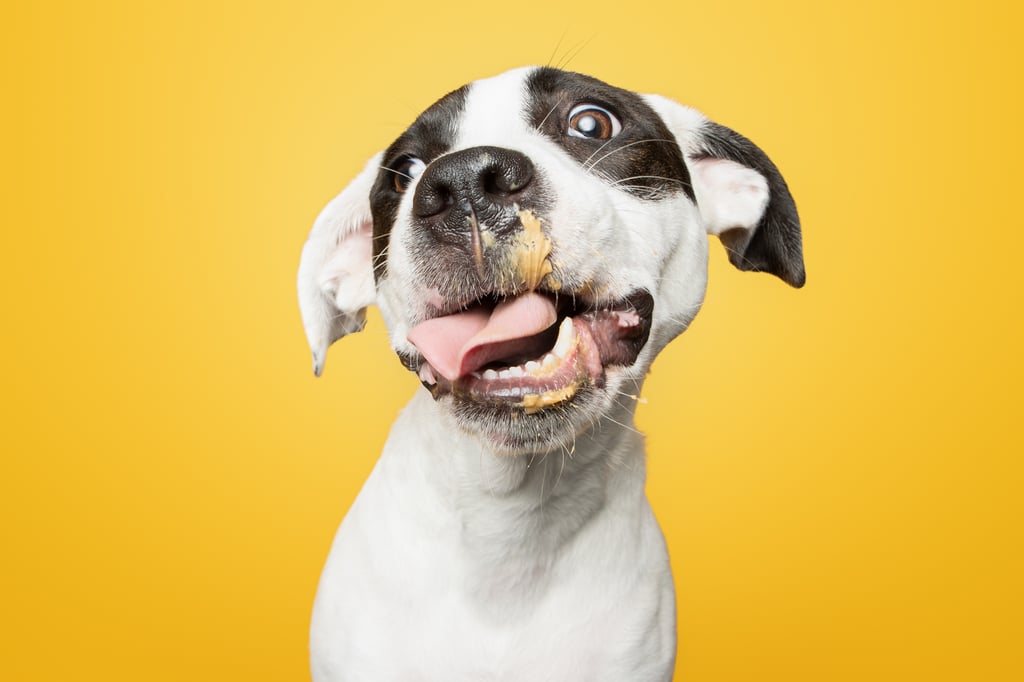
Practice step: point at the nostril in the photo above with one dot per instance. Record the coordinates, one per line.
(507, 179)
(494, 184)
(432, 199)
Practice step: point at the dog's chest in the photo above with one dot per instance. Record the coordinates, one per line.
(440, 638)
(414, 615)
(418, 587)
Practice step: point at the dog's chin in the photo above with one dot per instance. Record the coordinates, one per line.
(508, 430)
(511, 430)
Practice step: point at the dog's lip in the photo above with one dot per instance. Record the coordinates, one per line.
(545, 365)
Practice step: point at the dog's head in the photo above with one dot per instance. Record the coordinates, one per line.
(534, 239)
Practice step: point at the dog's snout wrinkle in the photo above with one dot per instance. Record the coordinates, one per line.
(476, 245)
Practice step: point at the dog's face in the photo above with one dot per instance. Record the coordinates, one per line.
(534, 239)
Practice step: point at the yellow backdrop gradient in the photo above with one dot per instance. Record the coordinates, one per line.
(836, 469)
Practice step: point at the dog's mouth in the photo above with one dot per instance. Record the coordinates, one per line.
(530, 351)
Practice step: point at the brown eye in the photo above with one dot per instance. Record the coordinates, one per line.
(405, 171)
(592, 122)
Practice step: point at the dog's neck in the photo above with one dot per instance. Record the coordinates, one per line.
(510, 516)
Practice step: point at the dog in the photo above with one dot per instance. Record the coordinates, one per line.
(532, 241)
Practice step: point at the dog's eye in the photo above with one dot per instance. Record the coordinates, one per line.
(405, 171)
(593, 122)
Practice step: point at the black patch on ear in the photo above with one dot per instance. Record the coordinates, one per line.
(776, 245)
(430, 136)
(644, 157)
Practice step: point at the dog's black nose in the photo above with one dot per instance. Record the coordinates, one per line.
(484, 183)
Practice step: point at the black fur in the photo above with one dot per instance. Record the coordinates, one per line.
(644, 157)
(776, 245)
(430, 136)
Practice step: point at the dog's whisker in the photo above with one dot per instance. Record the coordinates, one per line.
(620, 148)
(646, 192)
(561, 470)
(620, 424)
(662, 178)
(398, 173)
(574, 52)
(557, 45)
(544, 480)
(640, 400)
(554, 107)
(586, 162)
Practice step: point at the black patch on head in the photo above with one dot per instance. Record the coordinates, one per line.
(776, 244)
(430, 136)
(644, 157)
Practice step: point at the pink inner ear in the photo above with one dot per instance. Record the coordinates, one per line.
(348, 272)
(729, 195)
(336, 269)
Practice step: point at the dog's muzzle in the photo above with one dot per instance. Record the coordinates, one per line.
(508, 333)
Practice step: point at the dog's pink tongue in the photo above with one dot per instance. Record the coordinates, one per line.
(458, 344)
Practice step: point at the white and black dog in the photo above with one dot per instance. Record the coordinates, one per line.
(533, 240)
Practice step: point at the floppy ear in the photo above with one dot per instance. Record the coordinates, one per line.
(740, 193)
(336, 269)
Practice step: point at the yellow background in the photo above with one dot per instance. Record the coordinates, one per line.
(836, 468)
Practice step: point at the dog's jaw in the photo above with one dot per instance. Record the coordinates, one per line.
(554, 385)
(524, 394)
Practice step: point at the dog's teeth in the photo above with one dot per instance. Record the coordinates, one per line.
(549, 362)
(426, 374)
(504, 374)
(566, 338)
(626, 319)
(490, 375)
(516, 372)
(532, 367)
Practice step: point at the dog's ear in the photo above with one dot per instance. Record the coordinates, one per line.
(336, 269)
(740, 193)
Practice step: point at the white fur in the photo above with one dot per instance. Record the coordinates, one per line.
(458, 561)
(455, 565)
(335, 271)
